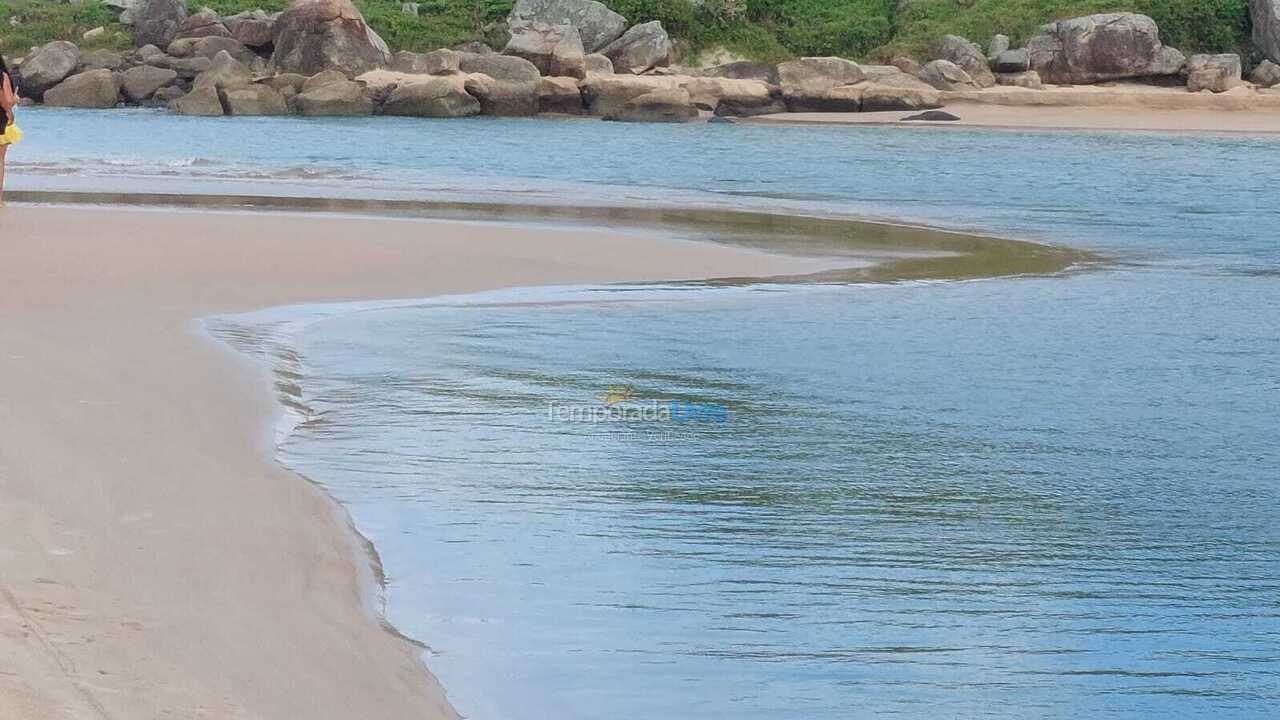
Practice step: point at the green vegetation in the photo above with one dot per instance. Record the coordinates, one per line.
(759, 29)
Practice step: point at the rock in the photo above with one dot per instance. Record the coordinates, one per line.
(597, 64)
(597, 25)
(554, 49)
(968, 56)
(750, 96)
(559, 95)
(606, 94)
(877, 97)
(998, 44)
(291, 81)
(209, 47)
(946, 75)
(187, 68)
(200, 101)
(1266, 75)
(745, 70)
(504, 98)
(251, 29)
(340, 98)
(323, 78)
(499, 67)
(93, 33)
(640, 48)
(90, 89)
(102, 60)
(806, 82)
(1217, 73)
(438, 97)
(1012, 61)
(749, 105)
(142, 82)
(1171, 62)
(658, 106)
(1029, 79)
(47, 66)
(1265, 15)
(409, 62)
(436, 62)
(224, 72)
(147, 52)
(721, 120)
(204, 23)
(315, 35)
(474, 46)
(906, 64)
(164, 96)
(934, 115)
(1098, 48)
(156, 22)
(256, 99)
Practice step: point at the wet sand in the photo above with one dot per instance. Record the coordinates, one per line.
(157, 562)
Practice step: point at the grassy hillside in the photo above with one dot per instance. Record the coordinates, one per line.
(762, 29)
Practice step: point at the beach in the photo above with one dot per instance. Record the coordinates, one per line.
(158, 563)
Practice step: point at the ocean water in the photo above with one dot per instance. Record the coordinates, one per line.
(1044, 497)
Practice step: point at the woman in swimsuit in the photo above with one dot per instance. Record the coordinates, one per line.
(11, 134)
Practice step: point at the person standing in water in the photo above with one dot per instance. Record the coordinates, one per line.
(11, 134)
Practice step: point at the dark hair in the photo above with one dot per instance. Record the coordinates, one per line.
(4, 72)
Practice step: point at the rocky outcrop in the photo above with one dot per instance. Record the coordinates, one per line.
(597, 64)
(1266, 75)
(47, 66)
(709, 93)
(806, 82)
(1265, 15)
(1029, 80)
(1097, 48)
(504, 98)
(209, 47)
(224, 72)
(946, 75)
(141, 82)
(204, 23)
(559, 95)
(90, 89)
(102, 59)
(156, 22)
(1216, 73)
(967, 56)
(314, 35)
(642, 47)
(338, 98)
(438, 98)
(1012, 61)
(881, 97)
(745, 70)
(597, 25)
(255, 99)
(499, 67)
(737, 104)
(436, 62)
(673, 105)
(606, 94)
(252, 29)
(554, 49)
(200, 101)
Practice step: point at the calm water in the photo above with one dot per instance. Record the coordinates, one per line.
(1040, 497)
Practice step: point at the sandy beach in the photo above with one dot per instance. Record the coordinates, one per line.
(158, 563)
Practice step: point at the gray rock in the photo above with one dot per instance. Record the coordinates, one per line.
(1098, 48)
(1216, 73)
(642, 47)
(668, 106)
(209, 47)
(102, 60)
(224, 72)
(142, 82)
(597, 64)
(555, 50)
(745, 70)
(315, 35)
(340, 98)
(880, 97)
(292, 82)
(90, 89)
(1012, 61)
(967, 55)
(934, 116)
(946, 75)
(204, 23)
(1265, 15)
(1171, 62)
(1266, 75)
(202, 101)
(323, 78)
(499, 67)
(252, 28)
(505, 98)
(156, 22)
(256, 99)
(806, 82)
(906, 64)
(476, 47)
(47, 66)
(187, 68)
(749, 105)
(597, 25)
(147, 52)
(1029, 80)
(998, 44)
(560, 95)
(438, 98)
(164, 96)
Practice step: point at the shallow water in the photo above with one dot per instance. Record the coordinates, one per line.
(1032, 497)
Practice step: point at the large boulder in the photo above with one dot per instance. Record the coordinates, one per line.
(47, 66)
(738, 104)
(1098, 48)
(597, 25)
(141, 82)
(559, 95)
(1266, 27)
(745, 70)
(252, 29)
(597, 64)
(224, 72)
(436, 62)
(965, 55)
(806, 82)
(315, 35)
(1216, 73)
(554, 49)
(946, 75)
(504, 98)
(209, 47)
(1029, 80)
(204, 23)
(156, 22)
(642, 47)
(1013, 61)
(438, 98)
(499, 67)
(90, 89)
(102, 59)
(1266, 75)
(880, 97)
(339, 97)
(709, 93)
(669, 106)
(202, 101)
(606, 94)
(255, 99)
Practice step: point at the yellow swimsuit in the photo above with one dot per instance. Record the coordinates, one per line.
(11, 135)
